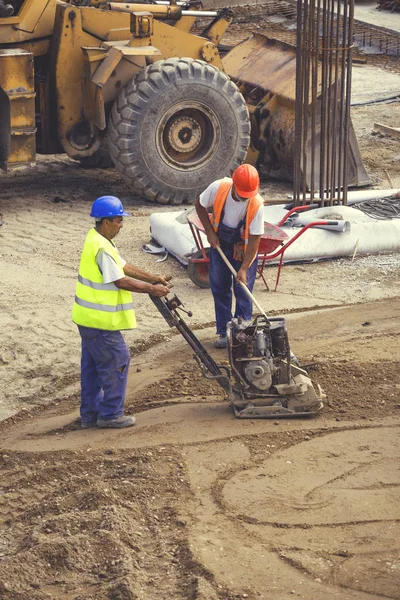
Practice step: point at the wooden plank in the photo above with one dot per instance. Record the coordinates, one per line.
(387, 130)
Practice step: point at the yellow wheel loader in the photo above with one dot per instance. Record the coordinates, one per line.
(130, 83)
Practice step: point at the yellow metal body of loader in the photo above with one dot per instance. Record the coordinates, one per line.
(125, 82)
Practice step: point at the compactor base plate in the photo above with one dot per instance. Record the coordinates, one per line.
(274, 411)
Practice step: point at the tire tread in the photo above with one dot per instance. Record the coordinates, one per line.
(135, 98)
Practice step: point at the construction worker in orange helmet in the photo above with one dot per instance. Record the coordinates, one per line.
(236, 225)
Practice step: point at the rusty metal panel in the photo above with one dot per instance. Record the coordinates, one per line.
(264, 63)
(265, 70)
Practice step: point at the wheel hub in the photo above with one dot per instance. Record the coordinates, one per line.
(188, 135)
(184, 134)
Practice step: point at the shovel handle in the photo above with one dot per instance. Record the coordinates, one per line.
(244, 286)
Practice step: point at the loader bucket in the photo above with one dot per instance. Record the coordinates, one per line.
(265, 71)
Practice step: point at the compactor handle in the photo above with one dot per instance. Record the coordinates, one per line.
(244, 286)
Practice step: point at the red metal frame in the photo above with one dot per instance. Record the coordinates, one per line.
(196, 228)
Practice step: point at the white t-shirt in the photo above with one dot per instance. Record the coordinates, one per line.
(108, 267)
(234, 211)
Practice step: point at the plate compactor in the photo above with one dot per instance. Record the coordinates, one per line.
(262, 380)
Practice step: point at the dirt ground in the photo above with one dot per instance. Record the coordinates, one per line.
(195, 504)
(191, 503)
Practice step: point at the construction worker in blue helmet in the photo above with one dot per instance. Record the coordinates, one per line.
(103, 308)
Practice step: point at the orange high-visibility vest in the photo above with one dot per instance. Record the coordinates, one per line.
(219, 203)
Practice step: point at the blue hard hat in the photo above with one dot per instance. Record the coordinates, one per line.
(107, 206)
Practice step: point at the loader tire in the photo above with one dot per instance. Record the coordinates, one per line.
(176, 127)
(100, 159)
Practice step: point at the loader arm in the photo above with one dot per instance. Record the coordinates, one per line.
(97, 51)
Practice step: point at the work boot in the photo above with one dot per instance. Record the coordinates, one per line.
(221, 342)
(88, 424)
(6, 10)
(118, 423)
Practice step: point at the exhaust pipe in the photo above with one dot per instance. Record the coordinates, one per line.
(337, 226)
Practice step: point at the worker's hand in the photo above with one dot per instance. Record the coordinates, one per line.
(160, 290)
(238, 252)
(163, 279)
(242, 276)
(213, 239)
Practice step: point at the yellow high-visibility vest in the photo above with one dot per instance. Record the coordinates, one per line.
(97, 304)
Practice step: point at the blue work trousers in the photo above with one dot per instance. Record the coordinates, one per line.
(104, 374)
(221, 280)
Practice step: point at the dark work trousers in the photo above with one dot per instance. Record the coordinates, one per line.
(104, 374)
(221, 280)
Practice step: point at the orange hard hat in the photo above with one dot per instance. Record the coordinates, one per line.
(246, 181)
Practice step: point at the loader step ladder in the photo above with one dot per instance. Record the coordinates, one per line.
(17, 109)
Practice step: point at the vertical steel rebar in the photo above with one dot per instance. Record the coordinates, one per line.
(306, 89)
(314, 86)
(323, 88)
(342, 95)
(335, 104)
(330, 51)
(323, 105)
(299, 94)
(347, 98)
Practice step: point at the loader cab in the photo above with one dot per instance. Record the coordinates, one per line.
(31, 19)
(9, 8)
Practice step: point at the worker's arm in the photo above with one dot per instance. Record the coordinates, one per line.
(136, 273)
(141, 287)
(249, 257)
(205, 221)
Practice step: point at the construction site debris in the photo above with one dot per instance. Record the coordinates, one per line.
(391, 5)
(387, 130)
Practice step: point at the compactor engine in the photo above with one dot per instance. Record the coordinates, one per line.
(268, 382)
(263, 379)
(256, 350)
